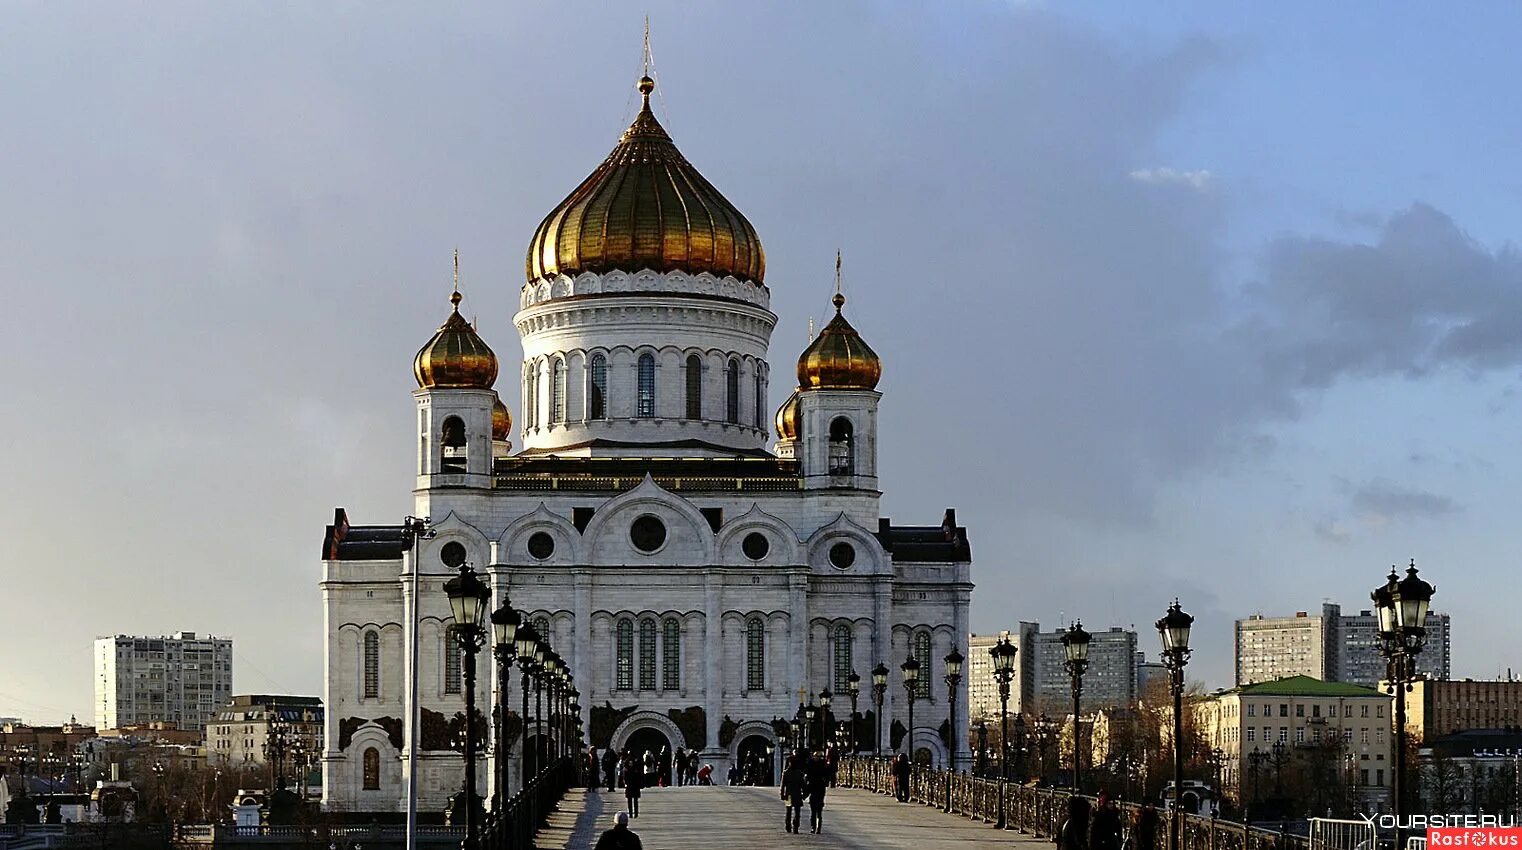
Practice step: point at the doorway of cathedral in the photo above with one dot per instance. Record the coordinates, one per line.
(755, 762)
(654, 742)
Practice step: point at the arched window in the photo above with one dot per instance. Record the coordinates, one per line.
(842, 657)
(760, 400)
(531, 396)
(597, 388)
(671, 654)
(647, 655)
(452, 658)
(557, 391)
(732, 392)
(371, 769)
(624, 674)
(646, 397)
(542, 626)
(842, 447)
(922, 655)
(694, 374)
(755, 655)
(453, 444)
(371, 665)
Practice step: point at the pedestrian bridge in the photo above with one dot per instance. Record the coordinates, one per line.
(718, 817)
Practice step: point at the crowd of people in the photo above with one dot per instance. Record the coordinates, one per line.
(1101, 827)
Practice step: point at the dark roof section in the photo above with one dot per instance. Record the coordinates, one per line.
(602, 443)
(615, 474)
(1480, 743)
(345, 542)
(944, 543)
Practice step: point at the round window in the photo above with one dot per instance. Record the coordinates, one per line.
(842, 555)
(755, 546)
(647, 533)
(453, 554)
(541, 545)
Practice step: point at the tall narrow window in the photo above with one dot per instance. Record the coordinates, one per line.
(452, 660)
(647, 655)
(646, 397)
(922, 655)
(531, 396)
(842, 658)
(755, 655)
(625, 666)
(694, 374)
(557, 391)
(542, 626)
(760, 400)
(842, 447)
(671, 654)
(732, 392)
(371, 780)
(597, 388)
(372, 665)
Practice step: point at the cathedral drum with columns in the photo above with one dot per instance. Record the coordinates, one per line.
(698, 582)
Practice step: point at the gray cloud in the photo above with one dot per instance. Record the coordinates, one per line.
(1382, 501)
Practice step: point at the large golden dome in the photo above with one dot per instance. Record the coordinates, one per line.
(646, 207)
(787, 418)
(456, 357)
(839, 358)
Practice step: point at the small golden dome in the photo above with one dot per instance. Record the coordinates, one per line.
(839, 358)
(646, 207)
(456, 357)
(787, 418)
(501, 421)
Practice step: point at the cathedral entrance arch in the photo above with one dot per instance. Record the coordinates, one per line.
(756, 761)
(647, 730)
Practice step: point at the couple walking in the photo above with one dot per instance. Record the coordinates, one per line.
(805, 778)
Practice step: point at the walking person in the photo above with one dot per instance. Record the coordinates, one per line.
(832, 760)
(620, 837)
(1104, 825)
(1144, 828)
(1074, 832)
(794, 790)
(610, 767)
(901, 777)
(634, 780)
(818, 780)
(692, 767)
(679, 766)
(589, 767)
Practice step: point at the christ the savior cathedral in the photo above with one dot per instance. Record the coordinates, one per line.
(697, 581)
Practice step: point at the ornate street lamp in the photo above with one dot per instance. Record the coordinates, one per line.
(1003, 654)
(504, 631)
(468, 597)
(524, 644)
(911, 672)
(810, 712)
(1173, 628)
(826, 727)
(879, 687)
(1401, 605)
(953, 679)
(853, 687)
(1075, 644)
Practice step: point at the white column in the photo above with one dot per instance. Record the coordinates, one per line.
(713, 652)
(798, 609)
(582, 662)
(882, 599)
(959, 727)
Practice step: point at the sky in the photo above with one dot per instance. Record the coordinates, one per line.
(1215, 301)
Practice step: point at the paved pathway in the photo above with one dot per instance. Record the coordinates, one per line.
(725, 818)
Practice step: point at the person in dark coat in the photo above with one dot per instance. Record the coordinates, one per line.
(1074, 833)
(1144, 828)
(818, 780)
(832, 760)
(901, 777)
(679, 766)
(1104, 825)
(610, 767)
(634, 780)
(794, 790)
(589, 768)
(620, 837)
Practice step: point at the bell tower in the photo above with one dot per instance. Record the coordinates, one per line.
(457, 419)
(829, 425)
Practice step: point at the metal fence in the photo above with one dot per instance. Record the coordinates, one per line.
(513, 827)
(1333, 834)
(1040, 811)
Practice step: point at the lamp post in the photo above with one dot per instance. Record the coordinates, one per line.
(809, 713)
(413, 530)
(277, 741)
(468, 596)
(879, 687)
(853, 687)
(826, 727)
(1401, 608)
(1003, 654)
(1173, 628)
(541, 678)
(523, 644)
(1075, 644)
(1021, 767)
(504, 629)
(980, 767)
(953, 679)
(911, 672)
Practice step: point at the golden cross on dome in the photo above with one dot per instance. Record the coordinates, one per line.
(647, 46)
(455, 298)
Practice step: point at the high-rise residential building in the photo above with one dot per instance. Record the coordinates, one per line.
(239, 733)
(1148, 672)
(1438, 708)
(983, 688)
(180, 679)
(1109, 682)
(1330, 646)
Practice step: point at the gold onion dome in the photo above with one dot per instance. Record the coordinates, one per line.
(501, 421)
(787, 418)
(646, 207)
(456, 357)
(839, 358)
